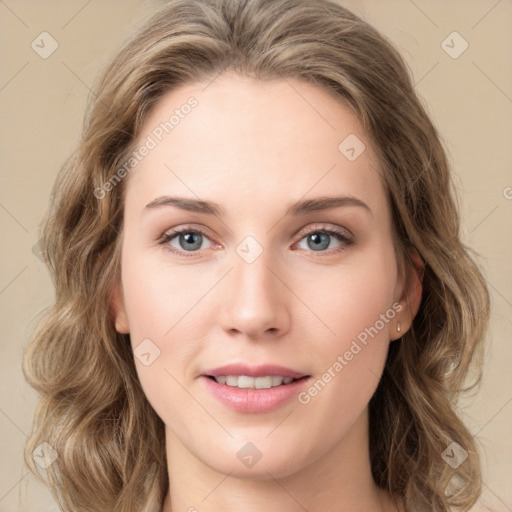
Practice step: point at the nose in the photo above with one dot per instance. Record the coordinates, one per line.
(255, 304)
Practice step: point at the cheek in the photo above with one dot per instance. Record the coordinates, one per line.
(351, 299)
(157, 297)
(165, 327)
(357, 311)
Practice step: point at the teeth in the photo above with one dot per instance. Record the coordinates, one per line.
(246, 382)
(231, 380)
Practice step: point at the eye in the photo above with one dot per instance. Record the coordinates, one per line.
(185, 240)
(324, 240)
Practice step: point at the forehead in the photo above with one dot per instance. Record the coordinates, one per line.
(244, 140)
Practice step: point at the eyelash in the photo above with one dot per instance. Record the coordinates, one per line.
(341, 236)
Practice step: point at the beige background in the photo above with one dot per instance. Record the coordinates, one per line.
(41, 104)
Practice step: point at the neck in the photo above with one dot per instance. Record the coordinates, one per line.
(339, 480)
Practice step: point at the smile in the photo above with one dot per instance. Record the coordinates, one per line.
(254, 394)
(247, 382)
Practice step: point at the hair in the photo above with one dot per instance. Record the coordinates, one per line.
(92, 409)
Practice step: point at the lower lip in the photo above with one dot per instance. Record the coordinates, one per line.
(254, 400)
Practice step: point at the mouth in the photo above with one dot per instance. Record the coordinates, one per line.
(254, 389)
(248, 382)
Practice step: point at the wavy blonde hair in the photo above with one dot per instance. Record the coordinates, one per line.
(92, 410)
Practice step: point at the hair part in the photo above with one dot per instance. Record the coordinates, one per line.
(93, 412)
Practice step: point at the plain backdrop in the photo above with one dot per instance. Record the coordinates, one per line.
(41, 106)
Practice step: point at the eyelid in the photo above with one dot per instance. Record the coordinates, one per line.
(185, 228)
(344, 232)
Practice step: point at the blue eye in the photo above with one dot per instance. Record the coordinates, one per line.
(322, 239)
(187, 240)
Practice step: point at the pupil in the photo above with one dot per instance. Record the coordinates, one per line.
(191, 240)
(319, 241)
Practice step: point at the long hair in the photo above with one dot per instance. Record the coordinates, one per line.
(108, 440)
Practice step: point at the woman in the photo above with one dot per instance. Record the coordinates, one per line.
(262, 299)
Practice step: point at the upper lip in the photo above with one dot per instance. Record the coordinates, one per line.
(254, 371)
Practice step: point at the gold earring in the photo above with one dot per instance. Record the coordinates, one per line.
(398, 327)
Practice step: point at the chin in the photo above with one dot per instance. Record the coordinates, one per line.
(261, 459)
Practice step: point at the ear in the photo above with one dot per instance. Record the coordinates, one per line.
(118, 310)
(410, 294)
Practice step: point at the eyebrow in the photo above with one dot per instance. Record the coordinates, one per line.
(191, 205)
(300, 208)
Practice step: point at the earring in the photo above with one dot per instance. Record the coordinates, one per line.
(398, 327)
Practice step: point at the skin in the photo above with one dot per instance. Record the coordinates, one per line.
(255, 148)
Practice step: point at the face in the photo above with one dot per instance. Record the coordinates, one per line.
(256, 247)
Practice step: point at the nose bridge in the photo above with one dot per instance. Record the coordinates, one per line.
(255, 302)
(253, 278)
